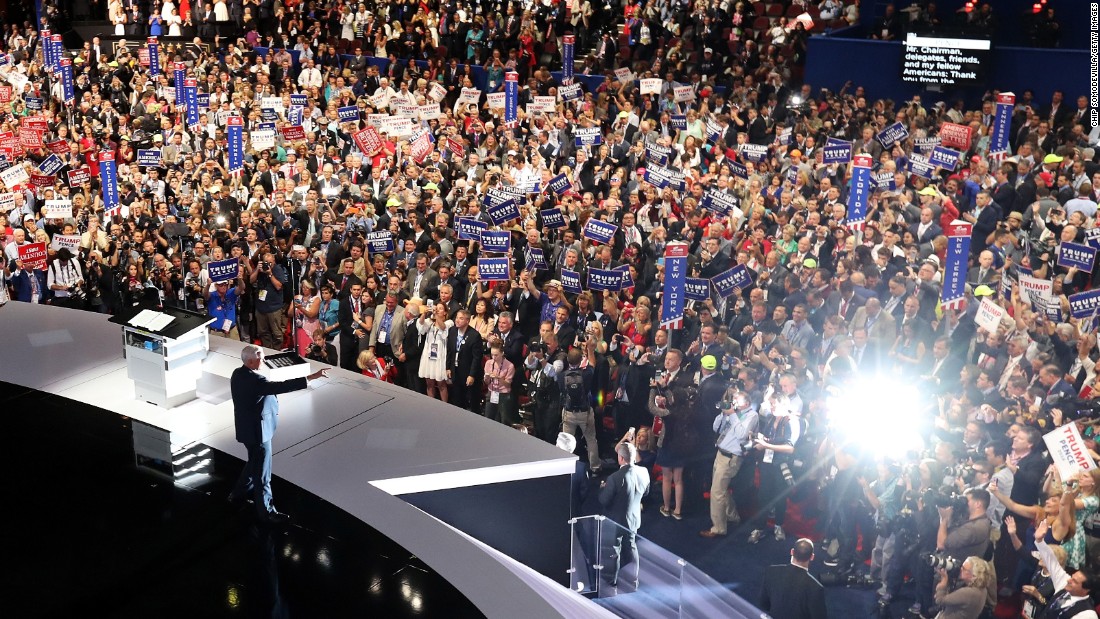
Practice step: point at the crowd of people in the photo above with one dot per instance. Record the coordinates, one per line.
(734, 391)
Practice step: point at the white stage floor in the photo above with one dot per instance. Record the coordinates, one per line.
(347, 439)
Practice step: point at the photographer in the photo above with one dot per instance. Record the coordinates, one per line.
(65, 278)
(735, 425)
(544, 362)
(968, 598)
(781, 428)
(269, 279)
(195, 286)
(321, 350)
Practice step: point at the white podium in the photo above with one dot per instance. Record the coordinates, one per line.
(164, 357)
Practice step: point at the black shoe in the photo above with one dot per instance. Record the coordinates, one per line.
(274, 517)
(233, 499)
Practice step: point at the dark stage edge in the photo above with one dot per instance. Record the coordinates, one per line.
(88, 534)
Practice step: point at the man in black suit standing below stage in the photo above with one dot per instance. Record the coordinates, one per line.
(255, 415)
(789, 591)
(621, 496)
(464, 349)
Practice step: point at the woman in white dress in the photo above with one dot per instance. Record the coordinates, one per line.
(118, 17)
(433, 358)
(166, 10)
(347, 21)
(173, 20)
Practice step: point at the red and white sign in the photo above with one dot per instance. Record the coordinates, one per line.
(43, 180)
(368, 141)
(989, 315)
(58, 147)
(421, 147)
(955, 136)
(33, 256)
(38, 123)
(293, 133)
(457, 148)
(79, 177)
(30, 138)
(5, 94)
(143, 56)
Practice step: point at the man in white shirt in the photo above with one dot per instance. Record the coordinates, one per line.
(310, 76)
(62, 276)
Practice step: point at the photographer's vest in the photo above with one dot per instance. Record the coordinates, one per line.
(778, 432)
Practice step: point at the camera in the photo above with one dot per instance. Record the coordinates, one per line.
(77, 293)
(582, 337)
(940, 560)
(537, 348)
(939, 498)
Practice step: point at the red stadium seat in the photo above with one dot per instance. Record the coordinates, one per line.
(761, 24)
(759, 7)
(775, 10)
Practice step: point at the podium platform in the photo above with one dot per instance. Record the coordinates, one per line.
(165, 362)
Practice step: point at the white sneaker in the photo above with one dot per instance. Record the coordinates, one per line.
(756, 536)
(779, 534)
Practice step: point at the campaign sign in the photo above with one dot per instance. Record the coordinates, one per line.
(33, 103)
(570, 92)
(754, 152)
(268, 114)
(628, 281)
(738, 169)
(33, 256)
(664, 177)
(299, 100)
(624, 75)
(494, 269)
(1072, 255)
(697, 288)
(294, 116)
(921, 166)
(78, 177)
(30, 138)
(570, 281)
(837, 153)
(1092, 237)
(655, 153)
(437, 92)
(649, 85)
(469, 229)
(885, 181)
(719, 201)
(955, 136)
(457, 148)
(1068, 451)
(859, 191)
(609, 280)
(924, 146)
(149, 157)
(496, 241)
(599, 231)
(587, 136)
(678, 121)
(1083, 304)
(536, 260)
(58, 209)
(989, 315)
(262, 139)
(552, 218)
(42, 181)
(505, 211)
(682, 94)
(293, 133)
(70, 242)
(944, 157)
(368, 141)
(379, 242)
(13, 176)
(892, 135)
(57, 147)
(560, 184)
(348, 114)
(51, 165)
(223, 270)
(736, 278)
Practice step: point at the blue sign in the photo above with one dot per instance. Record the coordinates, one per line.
(178, 76)
(658, 154)
(223, 270)
(837, 153)
(924, 146)
(505, 211)
(379, 242)
(954, 271)
(1092, 237)
(203, 99)
(946, 158)
(567, 56)
(67, 80)
(587, 136)
(154, 56)
(33, 103)
(469, 229)
(885, 181)
(1084, 304)
(673, 301)
(496, 241)
(718, 201)
(697, 288)
(628, 280)
(511, 99)
(678, 121)
(738, 169)
(921, 167)
(737, 278)
(608, 280)
(191, 100)
(570, 281)
(234, 134)
(298, 100)
(536, 260)
(599, 231)
(892, 135)
(664, 177)
(268, 114)
(494, 269)
(754, 152)
(347, 114)
(51, 165)
(859, 191)
(108, 178)
(149, 157)
(552, 218)
(560, 184)
(1002, 123)
(1074, 255)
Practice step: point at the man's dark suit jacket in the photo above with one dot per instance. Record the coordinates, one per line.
(467, 361)
(790, 592)
(255, 407)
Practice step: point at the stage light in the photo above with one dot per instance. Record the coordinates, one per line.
(796, 100)
(881, 415)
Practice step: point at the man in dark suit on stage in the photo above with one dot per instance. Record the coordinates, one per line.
(789, 591)
(255, 415)
(464, 353)
(621, 495)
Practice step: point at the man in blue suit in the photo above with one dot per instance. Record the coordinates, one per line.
(255, 415)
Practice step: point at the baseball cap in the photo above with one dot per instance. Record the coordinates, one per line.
(796, 153)
(983, 291)
(566, 442)
(1052, 158)
(553, 284)
(708, 51)
(624, 114)
(975, 159)
(1047, 178)
(708, 362)
(809, 263)
(928, 191)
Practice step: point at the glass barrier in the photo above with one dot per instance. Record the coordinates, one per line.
(634, 577)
